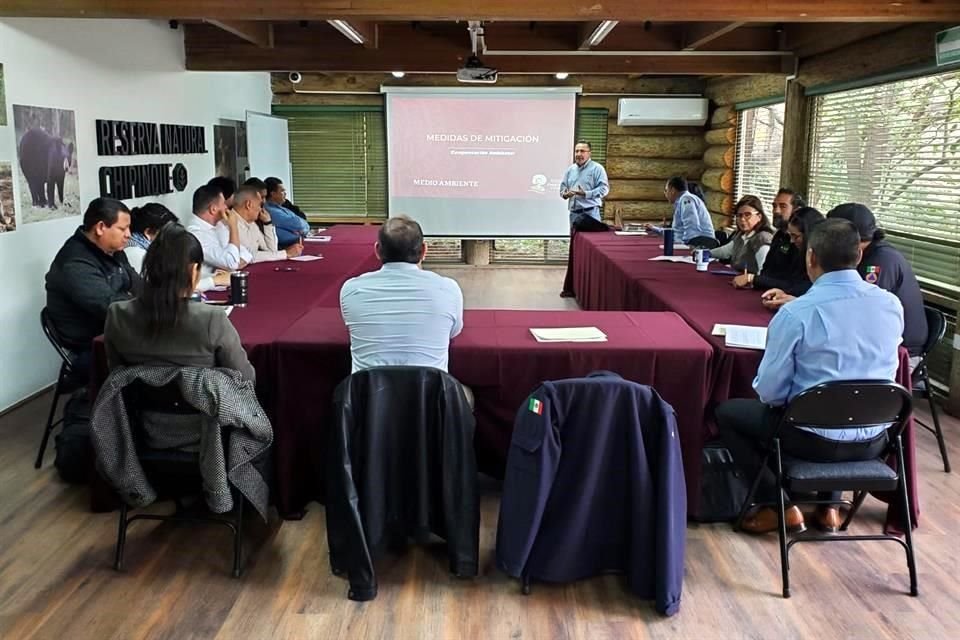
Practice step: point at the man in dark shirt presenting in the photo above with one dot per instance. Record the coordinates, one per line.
(88, 274)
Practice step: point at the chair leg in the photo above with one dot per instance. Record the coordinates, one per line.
(526, 588)
(782, 528)
(748, 501)
(121, 538)
(857, 501)
(908, 521)
(936, 426)
(50, 423)
(238, 539)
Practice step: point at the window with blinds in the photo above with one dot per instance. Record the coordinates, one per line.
(759, 147)
(592, 127)
(895, 147)
(339, 160)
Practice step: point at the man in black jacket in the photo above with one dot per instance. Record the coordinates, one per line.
(88, 274)
(784, 264)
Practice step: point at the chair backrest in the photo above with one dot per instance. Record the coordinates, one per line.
(936, 328)
(851, 403)
(51, 332)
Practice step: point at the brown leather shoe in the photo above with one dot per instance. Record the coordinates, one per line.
(765, 520)
(828, 519)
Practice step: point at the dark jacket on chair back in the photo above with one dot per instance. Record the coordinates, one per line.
(81, 283)
(594, 484)
(400, 465)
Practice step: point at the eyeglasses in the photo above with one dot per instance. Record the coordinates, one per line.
(747, 214)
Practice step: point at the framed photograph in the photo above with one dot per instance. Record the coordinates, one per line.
(47, 163)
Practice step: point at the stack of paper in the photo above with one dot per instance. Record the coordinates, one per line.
(569, 334)
(318, 239)
(742, 337)
(630, 233)
(684, 259)
(307, 258)
(677, 246)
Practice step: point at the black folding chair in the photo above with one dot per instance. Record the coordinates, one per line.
(839, 405)
(68, 381)
(174, 473)
(936, 328)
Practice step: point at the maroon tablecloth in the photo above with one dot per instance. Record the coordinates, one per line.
(612, 272)
(498, 358)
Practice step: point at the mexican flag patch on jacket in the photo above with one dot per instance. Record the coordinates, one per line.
(536, 406)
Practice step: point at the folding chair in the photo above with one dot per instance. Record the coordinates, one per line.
(173, 472)
(68, 381)
(839, 405)
(936, 328)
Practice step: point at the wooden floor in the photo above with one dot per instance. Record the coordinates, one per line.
(56, 579)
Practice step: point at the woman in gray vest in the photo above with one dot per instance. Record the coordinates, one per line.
(748, 247)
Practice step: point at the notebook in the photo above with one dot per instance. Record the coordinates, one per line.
(742, 337)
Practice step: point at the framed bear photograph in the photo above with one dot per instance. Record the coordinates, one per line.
(48, 177)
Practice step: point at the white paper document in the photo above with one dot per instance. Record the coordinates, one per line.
(569, 334)
(679, 247)
(683, 259)
(318, 239)
(307, 258)
(630, 233)
(742, 337)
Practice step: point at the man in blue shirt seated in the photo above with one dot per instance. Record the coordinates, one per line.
(290, 227)
(691, 224)
(401, 315)
(842, 329)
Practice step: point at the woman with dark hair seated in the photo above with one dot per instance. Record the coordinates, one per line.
(748, 247)
(162, 326)
(145, 224)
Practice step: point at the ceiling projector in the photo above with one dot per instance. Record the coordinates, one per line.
(475, 71)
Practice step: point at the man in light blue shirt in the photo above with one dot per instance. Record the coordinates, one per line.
(290, 227)
(584, 186)
(401, 315)
(842, 329)
(692, 224)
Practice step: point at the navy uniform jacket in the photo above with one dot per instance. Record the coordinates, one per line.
(886, 267)
(785, 267)
(594, 484)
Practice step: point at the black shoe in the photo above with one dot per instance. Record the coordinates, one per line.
(567, 294)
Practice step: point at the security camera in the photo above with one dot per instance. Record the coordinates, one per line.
(295, 77)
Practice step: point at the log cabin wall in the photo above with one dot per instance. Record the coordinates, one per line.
(639, 159)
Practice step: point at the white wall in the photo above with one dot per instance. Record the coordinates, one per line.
(100, 69)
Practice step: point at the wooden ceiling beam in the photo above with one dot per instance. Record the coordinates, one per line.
(811, 39)
(697, 35)
(506, 10)
(258, 33)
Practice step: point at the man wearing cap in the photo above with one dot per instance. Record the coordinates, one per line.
(883, 266)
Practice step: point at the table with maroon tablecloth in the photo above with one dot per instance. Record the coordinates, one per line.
(498, 358)
(612, 272)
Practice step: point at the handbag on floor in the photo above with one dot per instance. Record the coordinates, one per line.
(723, 486)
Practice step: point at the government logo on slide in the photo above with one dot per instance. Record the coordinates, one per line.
(538, 183)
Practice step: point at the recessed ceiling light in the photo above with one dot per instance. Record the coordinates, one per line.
(397, 74)
(563, 75)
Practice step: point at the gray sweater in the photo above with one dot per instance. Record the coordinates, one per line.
(204, 337)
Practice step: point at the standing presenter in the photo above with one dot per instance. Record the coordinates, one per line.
(584, 187)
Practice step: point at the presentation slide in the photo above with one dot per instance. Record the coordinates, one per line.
(481, 162)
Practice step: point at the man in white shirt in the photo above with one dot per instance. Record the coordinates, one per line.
(217, 229)
(261, 244)
(401, 315)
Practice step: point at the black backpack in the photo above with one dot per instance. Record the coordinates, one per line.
(73, 450)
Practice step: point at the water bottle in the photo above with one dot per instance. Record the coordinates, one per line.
(668, 242)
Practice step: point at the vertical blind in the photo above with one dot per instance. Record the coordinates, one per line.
(759, 147)
(339, 160)
(592, 127)
(895, 147)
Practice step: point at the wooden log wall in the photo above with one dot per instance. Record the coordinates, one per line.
(639, 159)
(718, 158)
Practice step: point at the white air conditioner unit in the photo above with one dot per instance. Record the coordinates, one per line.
(659, 112)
